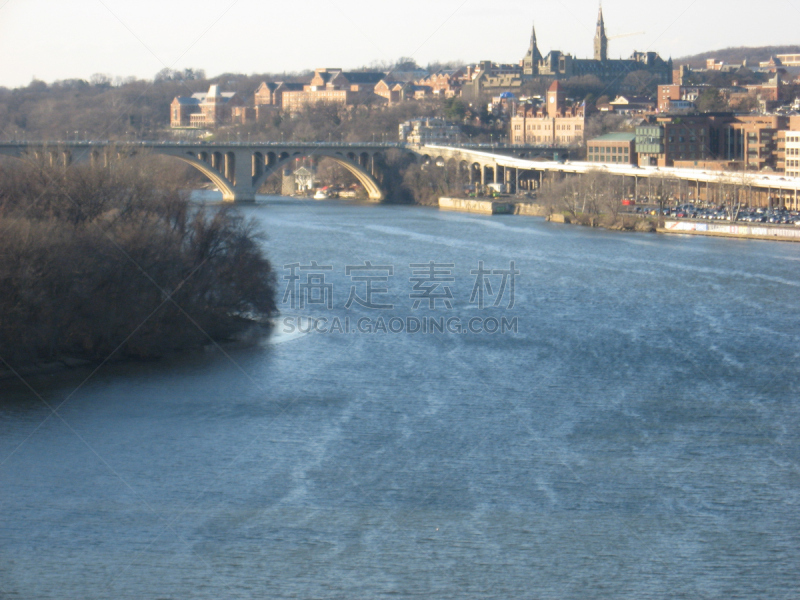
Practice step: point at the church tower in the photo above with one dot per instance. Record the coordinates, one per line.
(600, 39)
(530, 64)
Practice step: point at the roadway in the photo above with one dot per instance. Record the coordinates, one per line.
(743, 178)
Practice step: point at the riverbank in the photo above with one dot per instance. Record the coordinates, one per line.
(254, 332)
(732, 230)
(509, 207)
(621, 223)
(492, 207)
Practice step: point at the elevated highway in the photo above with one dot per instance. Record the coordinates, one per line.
(490, 167)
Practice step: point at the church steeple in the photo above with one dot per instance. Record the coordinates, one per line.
(530, 63)
(600, 39)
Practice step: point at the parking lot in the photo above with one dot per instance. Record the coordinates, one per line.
(774, 216)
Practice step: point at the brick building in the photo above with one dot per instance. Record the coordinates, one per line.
(676, 96)
(445, 83)
(200, 110)
(662, 140)
(333, 86)
(394, 91)
(555, 122)
(753, 140)
(749, 141)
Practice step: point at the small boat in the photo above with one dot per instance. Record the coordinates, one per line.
(322, 195)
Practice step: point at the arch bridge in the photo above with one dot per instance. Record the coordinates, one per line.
(237, 169)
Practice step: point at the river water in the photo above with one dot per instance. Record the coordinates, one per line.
(633, 434)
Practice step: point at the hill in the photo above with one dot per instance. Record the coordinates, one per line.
(737, 55)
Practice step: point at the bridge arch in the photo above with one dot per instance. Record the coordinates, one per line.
(224, 186)
(364, 177)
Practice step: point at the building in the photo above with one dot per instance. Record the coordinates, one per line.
(612, 148)
(487, 76)
(713, 64)
(429, 130)
(554, 122)
(445, 83)
(202, 110)
(749, 141)
(789, 148)
(662, 140)
(558, 65)
(333, 86)
(753, 140)
(676, 97)
(267, 94)
(789, 60)
(394, 91)
(630, 105)
(242, 115)
(504, 106)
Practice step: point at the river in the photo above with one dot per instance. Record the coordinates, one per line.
(629, 431)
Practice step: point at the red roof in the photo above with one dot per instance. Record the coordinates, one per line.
(555, 87)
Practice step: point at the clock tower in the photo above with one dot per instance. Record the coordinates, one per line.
(555, 99)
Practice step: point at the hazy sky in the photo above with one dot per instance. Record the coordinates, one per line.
(63, 39)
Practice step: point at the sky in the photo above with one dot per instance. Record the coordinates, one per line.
(64, 39)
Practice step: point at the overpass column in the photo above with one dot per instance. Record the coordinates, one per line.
(230, 167)
(241, 177)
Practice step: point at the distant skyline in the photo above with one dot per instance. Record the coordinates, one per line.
(56, 39)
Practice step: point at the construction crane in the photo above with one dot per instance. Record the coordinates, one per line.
(616, 37)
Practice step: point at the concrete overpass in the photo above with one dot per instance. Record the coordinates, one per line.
(518, 173)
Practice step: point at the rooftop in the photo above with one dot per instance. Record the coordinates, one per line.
(615, 137)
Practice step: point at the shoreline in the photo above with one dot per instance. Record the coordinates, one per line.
(623, 222)
(250, 336)
(733, 236)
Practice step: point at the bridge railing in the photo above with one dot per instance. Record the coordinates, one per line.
(289, 144)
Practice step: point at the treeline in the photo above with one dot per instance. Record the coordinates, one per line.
(738, 55)
(106, 108)
(97, 262)
(102, 109)
(409, 181)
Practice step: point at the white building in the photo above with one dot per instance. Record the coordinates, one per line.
(792, 153)
(429, 130)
